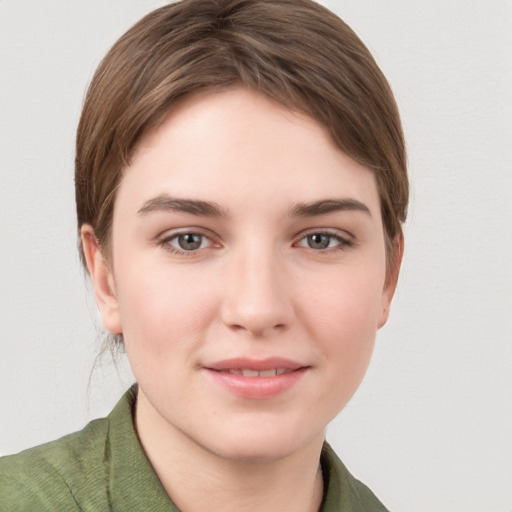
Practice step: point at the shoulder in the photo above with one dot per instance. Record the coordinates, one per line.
(49, 477)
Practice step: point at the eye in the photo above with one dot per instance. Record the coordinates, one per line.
(322, 241)
(186, 242)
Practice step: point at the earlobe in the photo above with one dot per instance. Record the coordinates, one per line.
(391, 279)
(102, 280)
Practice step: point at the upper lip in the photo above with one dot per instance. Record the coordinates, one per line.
(239, 363)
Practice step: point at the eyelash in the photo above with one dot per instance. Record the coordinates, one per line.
(342, 242)
(166, 243)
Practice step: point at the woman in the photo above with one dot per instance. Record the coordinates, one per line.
(240, 185)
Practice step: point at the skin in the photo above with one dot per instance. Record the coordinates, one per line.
(256, 287)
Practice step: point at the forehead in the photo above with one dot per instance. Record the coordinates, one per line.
(237, 146)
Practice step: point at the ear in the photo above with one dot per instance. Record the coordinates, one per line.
(391, 278)
(102, 280)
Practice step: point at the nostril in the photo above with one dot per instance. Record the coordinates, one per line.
(259, 330)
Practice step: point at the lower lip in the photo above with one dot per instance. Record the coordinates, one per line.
(257, 388)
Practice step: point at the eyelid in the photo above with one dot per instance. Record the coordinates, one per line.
(341, 233)
(173, 232)
(165, 239)
(345, 239)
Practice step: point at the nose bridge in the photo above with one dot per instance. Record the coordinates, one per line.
(257, 296)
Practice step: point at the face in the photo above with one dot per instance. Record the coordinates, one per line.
(247, 275)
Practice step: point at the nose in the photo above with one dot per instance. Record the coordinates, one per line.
(257, 297)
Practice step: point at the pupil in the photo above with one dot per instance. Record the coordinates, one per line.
(318, 241)
(190, 241)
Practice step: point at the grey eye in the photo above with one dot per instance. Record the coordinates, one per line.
(319, 241)
(190, 241)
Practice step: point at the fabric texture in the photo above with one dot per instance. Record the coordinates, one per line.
(103, 468)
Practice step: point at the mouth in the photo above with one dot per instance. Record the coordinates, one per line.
(247, 372)
(247, 367)
(257, 379)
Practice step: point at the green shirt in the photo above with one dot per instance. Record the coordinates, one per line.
(103, 468)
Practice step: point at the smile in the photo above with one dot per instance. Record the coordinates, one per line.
(246, 372)
(257, 379)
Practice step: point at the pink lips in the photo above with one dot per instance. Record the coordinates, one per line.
(256, 379)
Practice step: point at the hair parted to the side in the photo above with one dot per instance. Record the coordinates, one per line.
(293, 51)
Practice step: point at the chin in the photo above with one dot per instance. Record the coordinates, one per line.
(263, 444)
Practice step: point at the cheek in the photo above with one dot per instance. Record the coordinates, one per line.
(162, 308)
(343, 320)
(350, 300)
(346, 337)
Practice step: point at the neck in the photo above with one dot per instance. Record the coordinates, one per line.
(198, 480)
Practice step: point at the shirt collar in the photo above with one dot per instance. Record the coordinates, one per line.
(133, 483)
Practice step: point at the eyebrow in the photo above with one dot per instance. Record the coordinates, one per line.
(165, 203)
(326, 206)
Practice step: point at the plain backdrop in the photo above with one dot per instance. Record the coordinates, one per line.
(431, 427)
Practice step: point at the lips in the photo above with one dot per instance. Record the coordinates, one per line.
(246, 372)
(256, 379)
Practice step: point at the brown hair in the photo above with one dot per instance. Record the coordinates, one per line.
(293, 51)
